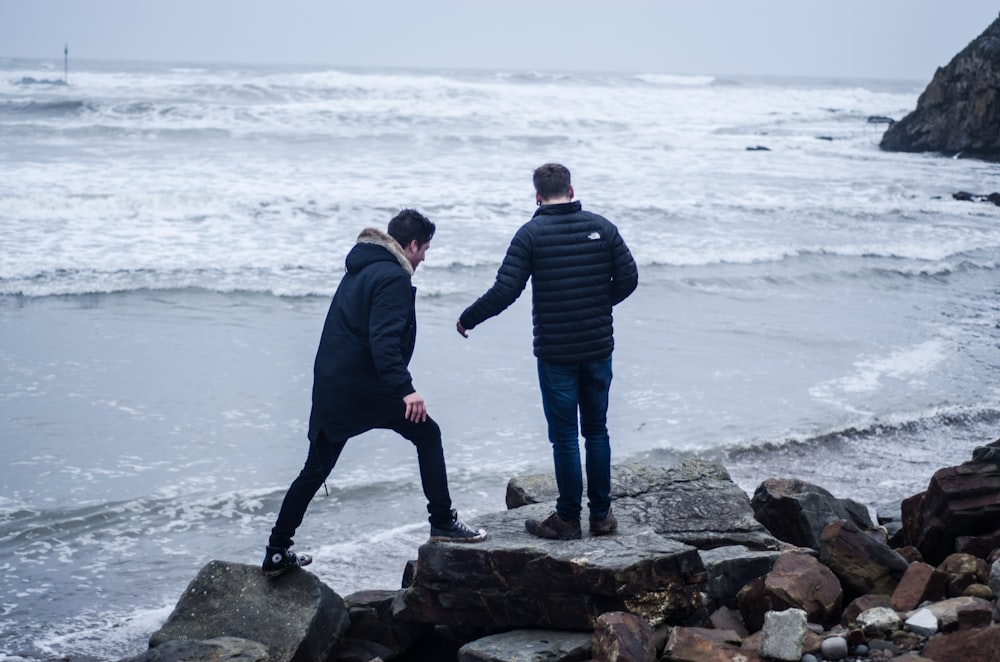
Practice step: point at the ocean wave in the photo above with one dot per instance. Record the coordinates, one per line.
(676, 79)
(942, 421)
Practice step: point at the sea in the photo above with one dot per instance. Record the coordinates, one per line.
(809, 306)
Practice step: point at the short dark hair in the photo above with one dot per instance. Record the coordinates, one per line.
(409, 224)
(551, 180)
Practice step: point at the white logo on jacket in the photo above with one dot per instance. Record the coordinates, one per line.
(594, 235)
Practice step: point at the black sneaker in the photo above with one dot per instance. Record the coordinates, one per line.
(554, 527)
(278, 560)
(456, 531)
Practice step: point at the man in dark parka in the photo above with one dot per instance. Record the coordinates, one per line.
(361, 381)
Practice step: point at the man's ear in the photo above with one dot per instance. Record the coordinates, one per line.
(412, 247)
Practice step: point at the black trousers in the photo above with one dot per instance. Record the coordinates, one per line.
(325, 449)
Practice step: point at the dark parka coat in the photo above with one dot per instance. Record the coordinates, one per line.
(579, 267)
(361, 373)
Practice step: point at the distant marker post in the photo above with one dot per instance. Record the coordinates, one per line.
(66, 64)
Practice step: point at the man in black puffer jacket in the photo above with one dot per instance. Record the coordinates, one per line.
(361, 382)
(579, 268)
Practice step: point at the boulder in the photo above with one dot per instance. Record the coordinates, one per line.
(730, 568)
(528, 646)
(623, 637)
(373, 631)
(296, 616)
(221, 649)
(514, 580)
(959, 111)
(962, 571)
(960, 502)
(981, 644)
(862, 564)
(695, 502)
(796, 511)
(799, 581)
(920, 582)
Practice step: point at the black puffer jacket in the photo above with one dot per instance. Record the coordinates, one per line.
(579, 268)
(360, 375)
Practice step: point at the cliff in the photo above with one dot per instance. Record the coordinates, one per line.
(959, 112)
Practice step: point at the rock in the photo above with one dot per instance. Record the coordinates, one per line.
(965, 196)
(799, 581)
(528, 646)
(962, 501)
(923, 622)
(834, 648)
(373, 631)
(920, 582)
(514, 580)
(221, 649)
(696, 645)
(730, 568)
(623, 637)
(782, 635)
(963, 570)
(796, 511)
(959, 110)
(981, 644)
(994, 579)
(860, 563)
(695, 502)
(863, 604)
(725, 618)
(296, 616)
(947, 611)
(878, 622)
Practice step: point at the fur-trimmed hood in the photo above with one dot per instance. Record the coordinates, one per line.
(379, 238)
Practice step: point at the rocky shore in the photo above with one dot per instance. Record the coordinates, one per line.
(698, 572)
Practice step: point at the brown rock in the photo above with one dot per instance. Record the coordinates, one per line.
(800, 581)
(982, 645)
(725, 618)
(959, 501)
(910, 553)
(947, 611)
(978, 591)
(963, 570)
(623, 637)
(974, 614)
(920, 582)
(860, 563)
(691, 645)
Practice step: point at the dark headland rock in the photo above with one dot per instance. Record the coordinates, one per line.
(959, 112)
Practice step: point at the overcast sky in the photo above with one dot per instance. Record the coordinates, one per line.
(843, 38)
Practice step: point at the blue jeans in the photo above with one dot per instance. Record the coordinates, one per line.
(566, 390)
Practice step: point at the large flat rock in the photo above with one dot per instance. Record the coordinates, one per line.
(514, 580)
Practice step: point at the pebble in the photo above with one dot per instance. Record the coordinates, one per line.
(834, 648)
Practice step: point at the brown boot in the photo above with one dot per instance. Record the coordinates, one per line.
(605, 526)
(554, 527)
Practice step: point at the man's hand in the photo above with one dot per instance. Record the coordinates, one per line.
(461, 329)
(416, 410)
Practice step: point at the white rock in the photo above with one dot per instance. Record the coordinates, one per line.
(878, 621)
(783, 634)
(923, 622)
